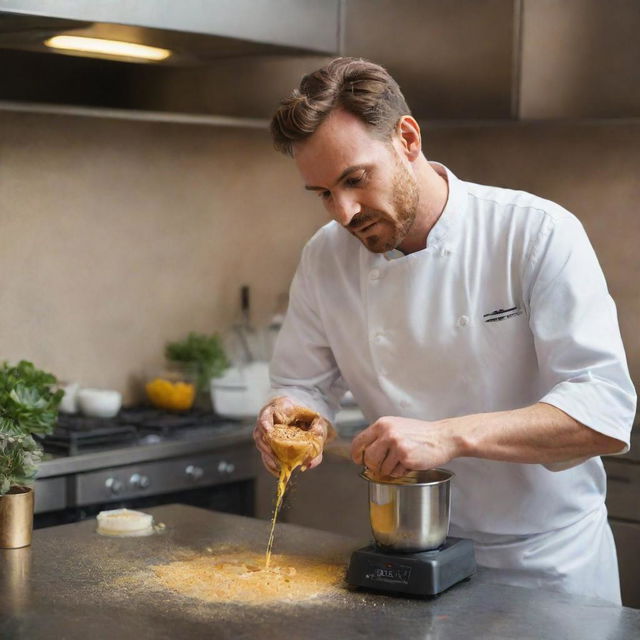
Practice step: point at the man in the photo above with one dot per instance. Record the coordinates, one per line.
(472, 325)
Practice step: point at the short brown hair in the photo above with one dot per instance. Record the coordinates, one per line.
(358, 86)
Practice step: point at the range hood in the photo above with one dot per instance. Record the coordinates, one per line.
(462, 60)
(195, 31)
(228, 58)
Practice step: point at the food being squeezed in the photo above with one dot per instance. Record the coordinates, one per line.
(297, 438)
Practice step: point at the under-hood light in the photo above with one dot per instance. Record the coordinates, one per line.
(107, 47)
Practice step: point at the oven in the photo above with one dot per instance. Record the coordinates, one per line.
(204, 462)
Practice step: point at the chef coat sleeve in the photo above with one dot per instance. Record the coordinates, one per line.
(303, 367)
(576, 333)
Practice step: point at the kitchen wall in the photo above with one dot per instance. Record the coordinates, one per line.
(118, 236)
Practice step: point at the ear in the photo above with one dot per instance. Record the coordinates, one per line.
(409, 137)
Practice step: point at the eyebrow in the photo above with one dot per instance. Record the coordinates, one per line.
(341, 177)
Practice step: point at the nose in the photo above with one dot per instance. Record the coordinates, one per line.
(344, 208)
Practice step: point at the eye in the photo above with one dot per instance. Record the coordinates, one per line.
(355, 180)
(324, 195)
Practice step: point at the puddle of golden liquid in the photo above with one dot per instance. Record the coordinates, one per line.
(239, 576)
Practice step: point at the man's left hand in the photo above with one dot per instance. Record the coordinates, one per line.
(392, 446)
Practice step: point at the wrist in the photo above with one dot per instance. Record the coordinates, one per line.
(462, 436)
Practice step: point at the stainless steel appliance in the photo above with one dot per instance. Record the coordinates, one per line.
(410, 522)
(410, 514)
(623, 503)
(144, 458)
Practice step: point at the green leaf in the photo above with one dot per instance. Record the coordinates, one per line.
(28, 405)
(204, 353)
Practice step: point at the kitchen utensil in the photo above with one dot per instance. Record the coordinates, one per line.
(99, 403)
(410, 513)
(243, 330)
(410, 520)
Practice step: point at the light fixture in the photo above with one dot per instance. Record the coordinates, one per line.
(113, 48)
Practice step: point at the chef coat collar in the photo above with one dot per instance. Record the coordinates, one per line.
(450, 216)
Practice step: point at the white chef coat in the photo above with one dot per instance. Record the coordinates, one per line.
(505, 307)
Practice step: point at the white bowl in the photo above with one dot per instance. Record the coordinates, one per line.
(242, 391)
(99, 403)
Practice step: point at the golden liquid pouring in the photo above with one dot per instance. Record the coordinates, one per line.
(292, 445)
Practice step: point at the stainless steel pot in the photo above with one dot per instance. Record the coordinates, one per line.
(411, 513)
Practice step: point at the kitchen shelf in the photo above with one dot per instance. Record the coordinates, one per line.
(130, 114)
(212, 120)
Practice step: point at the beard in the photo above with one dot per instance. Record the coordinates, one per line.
(392, 227)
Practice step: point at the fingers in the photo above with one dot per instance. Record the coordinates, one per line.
(399, 471)
(389, 463)
(264, 422)
(312, 464)
(271, 465)
(282, 407)
(375, 455)
(323, 428)
(361, 442)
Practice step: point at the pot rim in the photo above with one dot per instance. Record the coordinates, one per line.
(398, 482)
(17, 490)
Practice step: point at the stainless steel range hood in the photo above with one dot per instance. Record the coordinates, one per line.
(228, 57)
(478, 60)
(195, 31)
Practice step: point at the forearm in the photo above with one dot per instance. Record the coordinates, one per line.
(539, 434)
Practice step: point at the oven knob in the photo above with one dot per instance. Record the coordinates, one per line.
(113, 485)
(139, 481)
(194, 472)
(226, 467)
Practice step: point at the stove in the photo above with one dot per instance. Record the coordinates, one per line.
(427, 573)
(74, 434)
(144, 457)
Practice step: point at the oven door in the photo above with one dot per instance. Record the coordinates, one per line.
(222, 481)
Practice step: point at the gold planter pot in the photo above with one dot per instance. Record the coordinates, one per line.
(16, 518)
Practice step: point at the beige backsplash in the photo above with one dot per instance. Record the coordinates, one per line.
(117, 236)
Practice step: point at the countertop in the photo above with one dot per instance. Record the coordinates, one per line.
(65, 586)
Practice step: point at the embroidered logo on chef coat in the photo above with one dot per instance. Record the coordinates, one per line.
(502, 314)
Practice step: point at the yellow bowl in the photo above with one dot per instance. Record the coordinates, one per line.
(169, 395)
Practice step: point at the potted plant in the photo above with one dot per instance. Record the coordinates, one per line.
(28, 406)
(202, 356)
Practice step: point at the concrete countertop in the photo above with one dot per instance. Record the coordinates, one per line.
(64, 586)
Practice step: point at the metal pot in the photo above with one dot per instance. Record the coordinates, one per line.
(411, 513)
(16, 518)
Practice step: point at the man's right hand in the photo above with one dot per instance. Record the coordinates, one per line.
(275, 412)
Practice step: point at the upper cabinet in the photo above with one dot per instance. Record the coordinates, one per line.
(494, 59)
(452, 59)
(580, 59)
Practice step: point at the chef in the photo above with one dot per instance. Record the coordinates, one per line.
(471, 323)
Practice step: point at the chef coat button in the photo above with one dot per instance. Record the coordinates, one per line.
(378, 338)
(375, 274)
(443, 252)
(463, 321)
